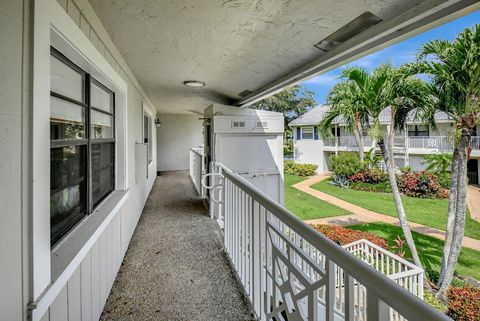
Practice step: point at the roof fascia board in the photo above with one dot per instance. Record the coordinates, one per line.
(426, 15)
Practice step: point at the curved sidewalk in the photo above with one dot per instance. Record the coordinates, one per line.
(361, 215)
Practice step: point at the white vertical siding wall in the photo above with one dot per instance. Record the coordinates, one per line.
(176, 135)
(83, 295)
(13, 126)
(309, 151)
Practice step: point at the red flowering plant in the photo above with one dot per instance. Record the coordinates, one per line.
(421, 184)
(344, 236)
(464, 303)
(368, 175)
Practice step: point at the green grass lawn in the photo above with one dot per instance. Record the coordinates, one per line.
(430, 212)
(430, 249)
(305, 206)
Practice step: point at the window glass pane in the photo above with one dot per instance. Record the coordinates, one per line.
(67, 120)
(102, 125)
(65, 80)
(100, 98)
(102, 171)
(67, 189)
(145, 129)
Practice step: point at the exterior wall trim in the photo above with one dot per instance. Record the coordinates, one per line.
(52, 23)
(40, 306)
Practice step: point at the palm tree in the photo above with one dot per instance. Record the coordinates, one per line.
(396, 91)
(454, 68)
(345, 104)
(438, 163)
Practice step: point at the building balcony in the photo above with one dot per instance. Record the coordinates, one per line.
(415, 145)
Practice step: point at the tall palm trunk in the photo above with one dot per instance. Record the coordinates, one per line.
(358, 134)
(452, 205)
(460, 206)
(387, 153)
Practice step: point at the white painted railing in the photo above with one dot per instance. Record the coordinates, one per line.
(197, 169)
(347, 141)
(404, 273)
(431, 142)
(475, 142)
(441, 143)
(291, 272)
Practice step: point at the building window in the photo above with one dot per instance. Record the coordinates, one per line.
(147, 135)
(336, 131)
(307, 132)
(418, 130)
(82, 144)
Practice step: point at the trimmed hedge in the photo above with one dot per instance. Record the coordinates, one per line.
(292, 168)
(464, 304)
(345, 164)
(344, 236)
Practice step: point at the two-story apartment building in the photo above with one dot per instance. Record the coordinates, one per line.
(411, 144)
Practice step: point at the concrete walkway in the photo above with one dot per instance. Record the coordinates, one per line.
(473, 201)
(175, 268)
(361, 215)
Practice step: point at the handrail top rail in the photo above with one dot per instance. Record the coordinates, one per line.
(410, 306)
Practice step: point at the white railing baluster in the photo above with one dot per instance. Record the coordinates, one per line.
(376, 309)
(330, 289)
(349, 298)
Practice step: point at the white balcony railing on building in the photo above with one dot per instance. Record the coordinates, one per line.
(197, 168)
(291, 272)
(431, 142)
(347, 141)
(441, 143)
(475, 142)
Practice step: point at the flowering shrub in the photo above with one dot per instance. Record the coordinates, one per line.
(368, 175)
(292, 168)
(464, 304)
(421, 184)
(343, 235)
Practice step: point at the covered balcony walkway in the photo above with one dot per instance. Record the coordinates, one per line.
(175, 268)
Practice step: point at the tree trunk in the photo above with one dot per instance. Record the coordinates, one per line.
(402, 217)
(452, 208)
(358, 134)
(460, 214)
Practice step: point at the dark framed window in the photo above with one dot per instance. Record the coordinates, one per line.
(82, 144)
(147, 135)
(418, 130)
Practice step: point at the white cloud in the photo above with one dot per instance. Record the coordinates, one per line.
(324, 80)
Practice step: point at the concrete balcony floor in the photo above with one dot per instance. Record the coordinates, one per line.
(175, 268)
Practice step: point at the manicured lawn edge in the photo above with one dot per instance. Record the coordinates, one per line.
(429, 212)
(430, 249)
(305, 206)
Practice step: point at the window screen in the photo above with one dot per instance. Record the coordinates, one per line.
(307, 132)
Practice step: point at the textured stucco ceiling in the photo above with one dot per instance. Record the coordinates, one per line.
(232, 45)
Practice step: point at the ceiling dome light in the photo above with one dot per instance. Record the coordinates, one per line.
(194, 83)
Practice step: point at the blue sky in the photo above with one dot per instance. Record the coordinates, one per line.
(397, 54)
